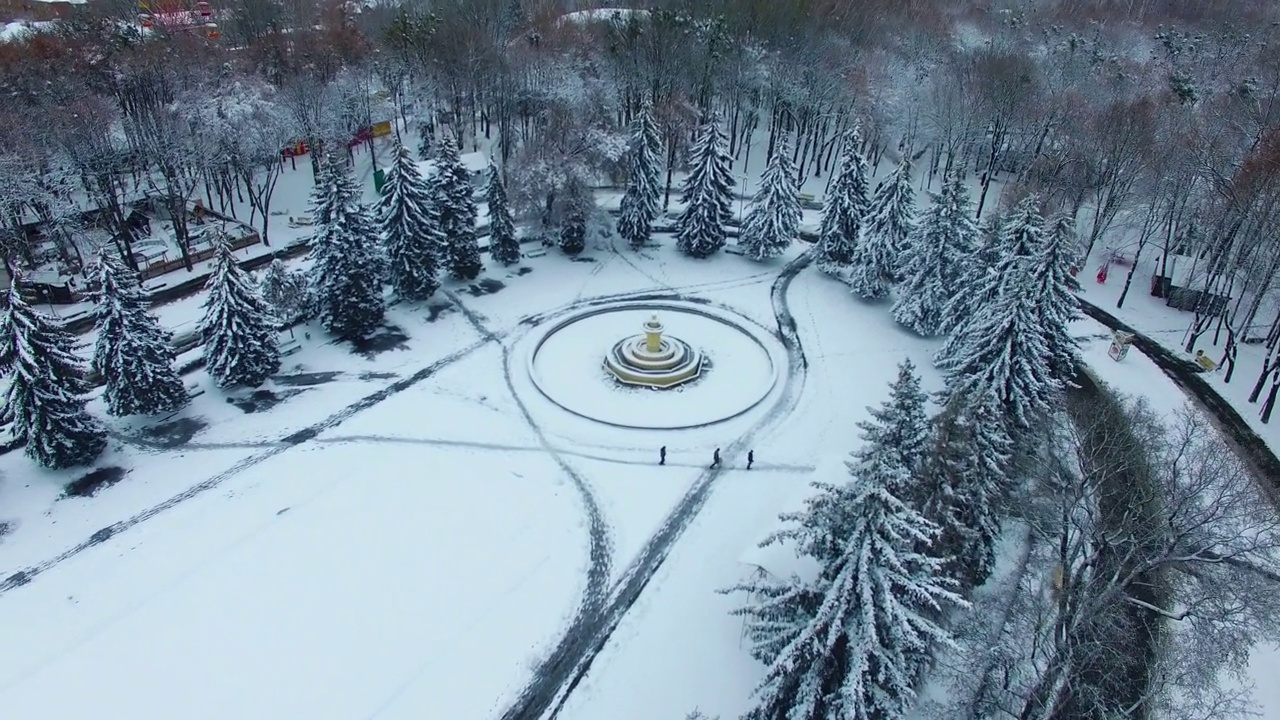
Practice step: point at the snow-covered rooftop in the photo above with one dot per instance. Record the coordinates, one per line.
(20, 28)
(618, 15)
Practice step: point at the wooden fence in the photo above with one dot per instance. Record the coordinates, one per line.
(156, 269)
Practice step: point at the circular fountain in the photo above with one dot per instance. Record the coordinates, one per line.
(575, 361)
(651, 360)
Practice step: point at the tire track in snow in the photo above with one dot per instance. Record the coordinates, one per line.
(555, 679)
(564, 656)
(23, 576)
(26, 575)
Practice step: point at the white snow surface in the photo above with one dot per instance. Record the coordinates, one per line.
(419, 556)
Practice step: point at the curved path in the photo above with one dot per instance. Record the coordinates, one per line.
(556, 677)
(1250, 448)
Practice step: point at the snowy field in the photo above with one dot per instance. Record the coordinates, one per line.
(397, 533)
(407, 530)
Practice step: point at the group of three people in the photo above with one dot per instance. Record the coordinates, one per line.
(715, 458)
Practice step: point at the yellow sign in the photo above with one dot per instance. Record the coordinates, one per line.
(381, 129)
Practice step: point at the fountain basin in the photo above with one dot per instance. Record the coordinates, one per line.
(741, 363)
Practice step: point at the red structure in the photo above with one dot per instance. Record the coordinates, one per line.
(177, 16)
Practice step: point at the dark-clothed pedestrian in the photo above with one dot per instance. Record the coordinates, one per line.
(662, 455)
(715, 459)
(751, 458)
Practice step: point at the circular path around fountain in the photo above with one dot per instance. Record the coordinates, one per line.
(743, 363)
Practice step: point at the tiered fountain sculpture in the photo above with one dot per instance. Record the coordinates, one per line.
(652, 360)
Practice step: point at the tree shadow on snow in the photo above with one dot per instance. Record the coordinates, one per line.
(90, 483)
(262, 400)
(174, 433)
(485, 286)
(389, 337)
(306, 379)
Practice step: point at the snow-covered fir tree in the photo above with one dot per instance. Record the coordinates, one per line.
(1059, 304)
(874, 267)
(901, 423)
(504, 247)
(707, 194)
(286, 292)
(238, 328)
(773, 222)
(891, 217)
(410, 229)
(457, 210)
(979, 277)
(44, 404)
(870, 631)
(963, 481)
(573, 233)
(348, 266)
(642, 200)
(426, 141)
(937, 257)
(1018, 241)
(133, 354)
(844, 210)
(1002, 354)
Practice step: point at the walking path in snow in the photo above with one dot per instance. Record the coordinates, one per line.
(1248, 445)
(556, 678)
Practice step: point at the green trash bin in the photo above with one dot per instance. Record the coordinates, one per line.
(379, 180)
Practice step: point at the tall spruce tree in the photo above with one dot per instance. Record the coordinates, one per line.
(869, 631)
(504, 247)
(133, 354)
(573, 232)
(426, 141)
(286, 293)
(900, 425)
(1057, 299)
(239, 329)
(642, 201)
(936, 259)
(348, 266)
(979, 280)
(1019, 240)
(844, 210)
(410, 229)
(963, 481)
(1002, 353)
(891, 217)
(45, 402)
(708, 195)
(774, 219)
(457, 210)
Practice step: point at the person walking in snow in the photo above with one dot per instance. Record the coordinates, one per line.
(715, 459)
(751, 458)
(662, 455)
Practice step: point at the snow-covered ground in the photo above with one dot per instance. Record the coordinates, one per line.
(407, 531)
(1168, 326)
(425, 550)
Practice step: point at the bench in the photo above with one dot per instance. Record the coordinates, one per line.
(539, 252)
(1205, 361)
(734, 249)
(289, 347)
(300, 221)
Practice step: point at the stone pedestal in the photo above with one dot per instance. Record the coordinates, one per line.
(652, 360)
